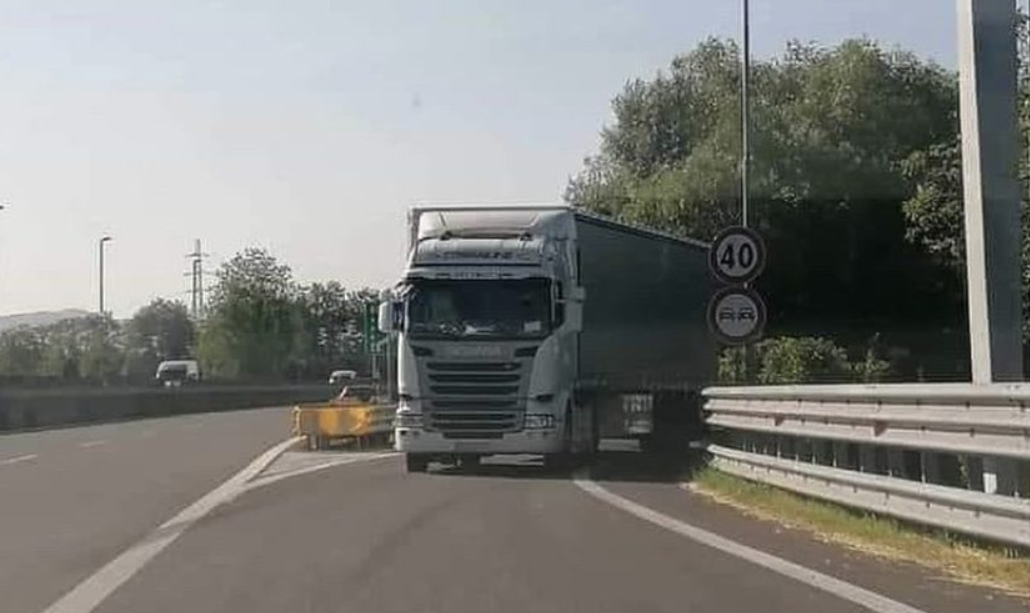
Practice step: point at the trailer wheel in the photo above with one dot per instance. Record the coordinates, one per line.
(415, 463)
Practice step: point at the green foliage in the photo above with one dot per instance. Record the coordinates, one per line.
(844, 139)
(161, 330)
(263, 325)
(21, 352)
(253, 319)
(795, 360)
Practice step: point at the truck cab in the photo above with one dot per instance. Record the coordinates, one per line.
(486, 337)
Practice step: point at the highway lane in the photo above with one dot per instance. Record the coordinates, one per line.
(367, 537)
(71, 499)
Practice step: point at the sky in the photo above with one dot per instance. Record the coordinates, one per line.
(310, 127)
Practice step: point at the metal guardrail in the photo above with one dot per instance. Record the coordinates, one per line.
(985, 515)
(961, 423)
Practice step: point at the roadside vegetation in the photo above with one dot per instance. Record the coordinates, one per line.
(259, 324)
(956, 557)
(856, 188)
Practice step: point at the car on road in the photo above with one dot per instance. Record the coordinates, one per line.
(341, 377)
(174, 373)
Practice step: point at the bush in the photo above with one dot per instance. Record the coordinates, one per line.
(790, 360)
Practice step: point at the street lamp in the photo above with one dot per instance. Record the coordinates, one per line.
(745, 112)
(103, 241)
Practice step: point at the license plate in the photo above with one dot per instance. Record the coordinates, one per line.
(467, 446)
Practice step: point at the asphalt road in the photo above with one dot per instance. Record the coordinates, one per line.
(364, 536)
(72, 499)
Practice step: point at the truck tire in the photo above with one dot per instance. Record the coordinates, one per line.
(416, 463)
(562, 459)
(469, 461)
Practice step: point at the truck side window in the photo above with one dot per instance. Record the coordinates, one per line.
(559, 307)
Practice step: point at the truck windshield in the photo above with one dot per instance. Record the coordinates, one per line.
(517, 308)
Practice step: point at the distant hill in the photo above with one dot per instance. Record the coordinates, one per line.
(41, 318)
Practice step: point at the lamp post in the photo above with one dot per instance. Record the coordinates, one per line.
(103, 241)
(745, 112)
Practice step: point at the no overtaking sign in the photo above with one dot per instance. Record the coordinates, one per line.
(736, 314)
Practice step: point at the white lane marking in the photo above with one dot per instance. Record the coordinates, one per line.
(86, 596)
(19, 459)
(89, 444)
(837, 587)
(193, 426)
(263, 481)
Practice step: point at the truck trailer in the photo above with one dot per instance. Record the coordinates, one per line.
(541, 330)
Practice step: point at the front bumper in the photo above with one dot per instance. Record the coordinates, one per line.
(416, 440)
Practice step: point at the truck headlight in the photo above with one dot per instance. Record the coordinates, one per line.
(408, 419)
(537, 421)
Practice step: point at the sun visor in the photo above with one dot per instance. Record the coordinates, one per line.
(527, 251)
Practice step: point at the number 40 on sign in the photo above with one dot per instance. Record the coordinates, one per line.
(737, 255)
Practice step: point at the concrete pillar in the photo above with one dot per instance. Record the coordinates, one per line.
(990, 153)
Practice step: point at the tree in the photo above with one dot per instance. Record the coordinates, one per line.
(161, 330)
(21, 352)
(89, 347)
(253, 319)
(833, 131)
(326, 312)
(102, 351)
(935, 214)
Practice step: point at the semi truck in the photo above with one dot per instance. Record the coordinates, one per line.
(541, 330)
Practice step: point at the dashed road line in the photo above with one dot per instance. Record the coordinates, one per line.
(262, 481)
(89, 444)
(19, 459)
(88, 595)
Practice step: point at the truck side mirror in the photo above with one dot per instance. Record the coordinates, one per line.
(387, 320)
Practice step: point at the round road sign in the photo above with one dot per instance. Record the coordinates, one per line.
(736, 315)
(737, 255)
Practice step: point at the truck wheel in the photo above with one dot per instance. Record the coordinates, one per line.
(561, 459)
(415, 463)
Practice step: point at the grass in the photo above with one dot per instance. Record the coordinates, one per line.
(954, 556)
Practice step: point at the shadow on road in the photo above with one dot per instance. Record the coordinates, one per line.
(612, 465)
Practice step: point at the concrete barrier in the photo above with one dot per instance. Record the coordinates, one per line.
(28, 409)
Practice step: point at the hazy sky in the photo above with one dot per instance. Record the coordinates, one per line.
(309, 127)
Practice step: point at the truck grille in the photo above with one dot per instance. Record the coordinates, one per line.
(474, 399)
(478, 421)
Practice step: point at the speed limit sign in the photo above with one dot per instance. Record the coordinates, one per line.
(737, 255)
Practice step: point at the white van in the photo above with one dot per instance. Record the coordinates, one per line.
(172, 373)
(338, 377)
